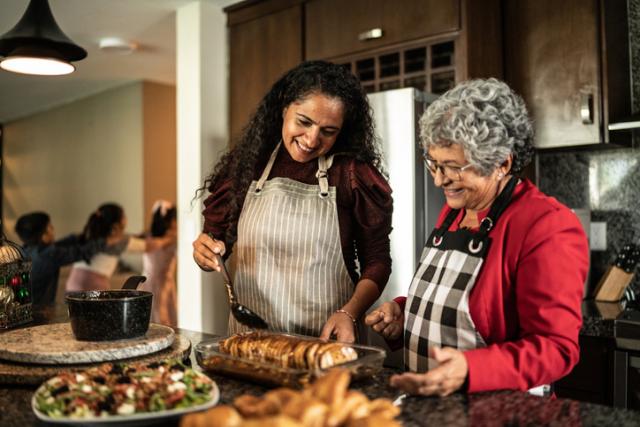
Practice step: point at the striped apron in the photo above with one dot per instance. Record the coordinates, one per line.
(290, 268)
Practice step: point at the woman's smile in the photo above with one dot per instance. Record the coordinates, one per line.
(302, 147)
(311, 126)
(453, 192)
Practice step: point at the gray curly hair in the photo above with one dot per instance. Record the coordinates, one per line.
(487, 118)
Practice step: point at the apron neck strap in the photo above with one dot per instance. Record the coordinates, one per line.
(267, 169)
(487, 223)
(498, 206)
(324, 163)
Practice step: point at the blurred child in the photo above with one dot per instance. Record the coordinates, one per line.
(108, 221)
(48, 256)
(159, 265)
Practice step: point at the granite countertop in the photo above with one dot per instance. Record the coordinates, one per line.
(598, 318)
(505, 408)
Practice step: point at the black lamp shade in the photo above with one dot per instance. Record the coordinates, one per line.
(38, 34)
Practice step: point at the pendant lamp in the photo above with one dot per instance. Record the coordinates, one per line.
(36, 45)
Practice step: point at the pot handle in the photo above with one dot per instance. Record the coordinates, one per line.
(133, 282)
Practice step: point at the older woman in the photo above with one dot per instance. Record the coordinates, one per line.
(495, 302)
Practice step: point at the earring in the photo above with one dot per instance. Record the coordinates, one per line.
(500, 176)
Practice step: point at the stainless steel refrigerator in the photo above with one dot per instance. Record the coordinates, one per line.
(416, 201)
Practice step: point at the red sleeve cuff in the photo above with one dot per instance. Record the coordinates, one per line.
(402, 301)
(487, 371)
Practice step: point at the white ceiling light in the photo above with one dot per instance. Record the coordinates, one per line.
(117, 45)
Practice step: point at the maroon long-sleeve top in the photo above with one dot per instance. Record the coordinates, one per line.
(364, 206)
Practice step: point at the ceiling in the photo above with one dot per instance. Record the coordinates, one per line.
(149, 23)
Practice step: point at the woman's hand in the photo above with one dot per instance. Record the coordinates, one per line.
(442, 381)
(387, 320)
(340, 325)
(204, 250)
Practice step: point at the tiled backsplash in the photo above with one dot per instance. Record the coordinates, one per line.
(606, 182)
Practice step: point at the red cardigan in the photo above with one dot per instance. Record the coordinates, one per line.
(527, 297)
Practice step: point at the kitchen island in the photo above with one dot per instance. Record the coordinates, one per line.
(482, 409)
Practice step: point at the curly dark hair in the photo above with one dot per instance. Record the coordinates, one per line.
(101, 221)
(161, 223)
(263, 132)
(32, 226)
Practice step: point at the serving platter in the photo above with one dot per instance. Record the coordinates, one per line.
(143, 418)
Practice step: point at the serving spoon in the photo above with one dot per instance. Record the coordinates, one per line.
(239, 311)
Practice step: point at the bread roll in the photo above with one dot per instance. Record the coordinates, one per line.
(331, 387)
(353, 405)
(273, 421)
(280, 396)
(373, 421)
(219, 416)
(309, 412)
(253, 406)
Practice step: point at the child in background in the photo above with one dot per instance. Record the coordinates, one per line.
(48, 256)
(108, 221)
(159, 265)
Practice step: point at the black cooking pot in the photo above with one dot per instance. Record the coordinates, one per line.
(110, 315)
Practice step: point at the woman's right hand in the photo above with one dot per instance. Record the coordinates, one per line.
(387, 320)
(204, 250)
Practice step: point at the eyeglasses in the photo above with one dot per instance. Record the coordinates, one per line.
(454, 173)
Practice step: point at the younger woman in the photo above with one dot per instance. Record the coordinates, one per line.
(159, 265)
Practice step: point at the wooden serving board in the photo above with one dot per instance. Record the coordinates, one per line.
(55, 344)
(31, 374)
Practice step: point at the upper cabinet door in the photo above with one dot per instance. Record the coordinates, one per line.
(261, 50)
(337, 27)
(552, 58)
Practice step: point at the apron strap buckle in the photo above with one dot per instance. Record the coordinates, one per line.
(486, 224)
(474, 249)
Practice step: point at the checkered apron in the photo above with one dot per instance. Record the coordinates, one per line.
(437, 307)
(290, 268)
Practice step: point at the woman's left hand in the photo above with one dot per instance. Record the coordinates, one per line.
(340, 325)
(442, 381)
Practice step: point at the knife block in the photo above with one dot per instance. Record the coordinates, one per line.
(613, 284)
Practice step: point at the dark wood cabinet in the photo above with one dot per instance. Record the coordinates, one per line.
(427, 44)
(263, 44)
(591, 380)
(337, 27)
(566, 58)
(471, 45)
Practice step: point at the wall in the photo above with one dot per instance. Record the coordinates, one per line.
(605, 181)
(159, 142)
(119, 145)
(68, 160)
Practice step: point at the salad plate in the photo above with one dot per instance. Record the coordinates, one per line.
(124, 394)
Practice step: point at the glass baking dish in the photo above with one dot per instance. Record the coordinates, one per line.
(211, 359)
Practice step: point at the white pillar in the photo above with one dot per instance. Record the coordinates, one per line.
(201, 90)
